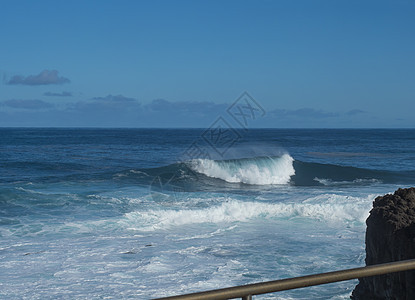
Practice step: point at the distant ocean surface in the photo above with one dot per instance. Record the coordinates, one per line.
(143, 213)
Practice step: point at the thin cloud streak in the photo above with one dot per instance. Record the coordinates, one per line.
(26, 104)
(111, 98)
(63, 94)
(307, 113)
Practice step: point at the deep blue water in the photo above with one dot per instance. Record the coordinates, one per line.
(141, 213)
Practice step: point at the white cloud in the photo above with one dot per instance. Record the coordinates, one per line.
(43, 78)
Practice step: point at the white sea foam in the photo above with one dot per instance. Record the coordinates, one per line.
(327, 208)
(260, 170)
(329, 182)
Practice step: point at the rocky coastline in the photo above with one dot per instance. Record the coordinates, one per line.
(390, 236)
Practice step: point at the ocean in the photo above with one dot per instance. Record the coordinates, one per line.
(144, 213)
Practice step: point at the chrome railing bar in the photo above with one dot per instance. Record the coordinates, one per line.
(247, 291)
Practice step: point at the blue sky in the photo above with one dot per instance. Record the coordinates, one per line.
(183, 63)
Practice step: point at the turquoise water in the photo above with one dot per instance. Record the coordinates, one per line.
(142, 213)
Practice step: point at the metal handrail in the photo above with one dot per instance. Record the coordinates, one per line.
(247, 291)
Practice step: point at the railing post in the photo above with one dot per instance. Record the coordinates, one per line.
(247, 297)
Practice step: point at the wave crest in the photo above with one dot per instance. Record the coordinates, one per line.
(258, 170)
(328, 208)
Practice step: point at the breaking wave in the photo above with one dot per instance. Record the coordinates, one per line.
(258, 170)
(328, 208)
(207, 174)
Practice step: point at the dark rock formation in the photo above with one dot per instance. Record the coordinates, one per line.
(390, 236)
